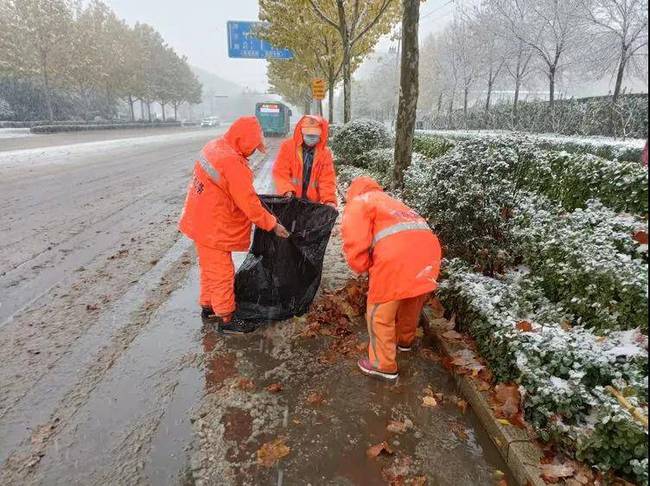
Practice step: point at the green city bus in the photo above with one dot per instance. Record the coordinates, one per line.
(274, 117)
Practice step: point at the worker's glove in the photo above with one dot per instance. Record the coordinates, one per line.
(281, 231)
(289, 194)
(331, 205)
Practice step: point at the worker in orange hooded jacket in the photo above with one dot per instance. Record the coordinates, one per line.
(390, 241)
(220, 208)
(304, 167)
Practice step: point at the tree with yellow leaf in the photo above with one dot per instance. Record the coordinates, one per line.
(356, 22)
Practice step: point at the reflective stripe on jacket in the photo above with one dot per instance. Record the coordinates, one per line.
(288, 167)
(221, 203)
(390, 241)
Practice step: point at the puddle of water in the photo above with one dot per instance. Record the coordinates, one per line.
(328, 441)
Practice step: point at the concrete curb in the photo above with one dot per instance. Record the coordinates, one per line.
(520, 454)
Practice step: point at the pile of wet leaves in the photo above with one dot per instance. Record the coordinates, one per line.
(338, 315)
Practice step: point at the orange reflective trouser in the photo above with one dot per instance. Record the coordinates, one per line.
(390, 324)
(217, 275)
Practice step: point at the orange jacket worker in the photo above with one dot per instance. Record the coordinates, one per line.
(220, 208)
(304, 167)
(390, 241)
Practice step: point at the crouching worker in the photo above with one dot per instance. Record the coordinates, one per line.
(220, 208)
(390, 241)
(304, 167)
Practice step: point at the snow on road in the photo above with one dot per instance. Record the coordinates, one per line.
(80, 152)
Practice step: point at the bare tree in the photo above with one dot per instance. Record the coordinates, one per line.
(518, 54)
(492, 51)
(463, 46)
(408, 93)
(622, 28)
(551, 28)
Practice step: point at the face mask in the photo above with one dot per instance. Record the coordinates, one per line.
(311, 140)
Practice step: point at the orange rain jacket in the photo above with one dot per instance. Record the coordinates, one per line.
(287, 171)
(221, 201)
(390, 241)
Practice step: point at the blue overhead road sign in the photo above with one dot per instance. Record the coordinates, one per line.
(243, 43)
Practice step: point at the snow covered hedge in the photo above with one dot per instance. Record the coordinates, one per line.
(432, 147)
(353, 141)
(605, 147)
(586, 260)
(563, 370)
(587, 116)
(574, 179)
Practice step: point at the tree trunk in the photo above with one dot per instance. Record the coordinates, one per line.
(175, 111)
(465, 98)
(439, 103)
(141, 109)
(48, 94)
(149, 111)
(450, 122)
(162, 105)
(307, 107)
(408, 93)
(131, 109)
(551, 87)
(515, 103)
(330, 101)
(347, 86)
(487, 101)
(619, 75)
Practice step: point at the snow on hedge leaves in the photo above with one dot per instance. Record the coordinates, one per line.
(563, 369)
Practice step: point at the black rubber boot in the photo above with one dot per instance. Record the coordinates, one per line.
(235, 326)
(207, 313)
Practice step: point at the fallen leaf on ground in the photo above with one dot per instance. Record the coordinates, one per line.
(92, 307)
(274, 388)
(462, 405)
(381, 448)
(315, 398)
(459, 430)
(466, 362)
(641, 237)
(503, 421)
(429, 401)
(430, 355)
(270, 453)
(552, 473)
(508, 400)
(419, 332)
(524, 326)
(397, 472)
(398, 427)
(452, 335)
(362, 346)
(245, 384)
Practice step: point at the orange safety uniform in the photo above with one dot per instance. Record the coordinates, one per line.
(288, 168)
(390, 241)
(220, 208)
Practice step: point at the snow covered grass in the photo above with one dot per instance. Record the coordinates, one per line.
(607, 147)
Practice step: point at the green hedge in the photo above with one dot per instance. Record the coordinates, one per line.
(353, 141)
(563, 371)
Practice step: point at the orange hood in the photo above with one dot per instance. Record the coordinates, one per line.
(362, 185)
(245, 135)
(324, 126)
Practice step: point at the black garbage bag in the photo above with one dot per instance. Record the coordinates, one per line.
(279, 278)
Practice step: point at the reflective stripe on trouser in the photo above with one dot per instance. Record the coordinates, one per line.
(399, 228)
(217, 280)
(390, 324)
